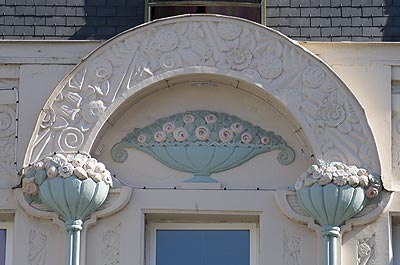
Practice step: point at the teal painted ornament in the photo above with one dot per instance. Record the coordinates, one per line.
(203, 143)
(74, 187)
(332, 193)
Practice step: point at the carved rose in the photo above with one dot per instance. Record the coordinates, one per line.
(93, 110)
(210, 118)
(364, 180)
(180, 134)
(31, 188)
(354, 181)
(142, 138)
(38, 165)
(166, 40)
(237, 127)
(100, 168)
(340, 178)
(325, 179)
(265, 140)
(229, 31)
(313, 76)
(52, 172)
(168, 127)
(372, 192)
(332, 114)
(107, 177)
(202, 133)
(239, 58)
(225, 135)
(160, 136)
(66, 170)
(79, 160)
(48, 119)
(270, 67)
(188, 118)
(246, 137)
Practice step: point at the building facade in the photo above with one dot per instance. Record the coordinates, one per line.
(200, 138)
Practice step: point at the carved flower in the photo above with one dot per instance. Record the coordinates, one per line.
(210, 118)
(93, 110)
(325, 179)
(202, 133)
(340, 179)
(332, 114)
(79, 160)
(264, 139)
(362, 172)
(107, 177)
(168, 127)
(166, 40)
(142, 138)
(364, 180)
(59, 159)
(225, 135)
(188, 118)
(49, 118)
(80, 173)
(100, 168)
(246, 137)
(237, 127)
(52, 172)
(38, 165)
(317, 174)
(90, 164)
(330, 169)
(160, 136)
(66, 170)
(96, 177)
(270, 67)
(180, 134)
(354, 181)
(239, 58)
(229, 31)
(372, 192)
(364, 249)
(31, 188)
(298, 185)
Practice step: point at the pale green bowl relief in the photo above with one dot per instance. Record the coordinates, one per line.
(203, 143)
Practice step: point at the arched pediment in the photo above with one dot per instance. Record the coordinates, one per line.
(332, 119)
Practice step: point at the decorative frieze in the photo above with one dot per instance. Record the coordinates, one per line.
(323, 106)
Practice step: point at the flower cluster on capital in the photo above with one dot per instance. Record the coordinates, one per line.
(80, 166)
(340, 174)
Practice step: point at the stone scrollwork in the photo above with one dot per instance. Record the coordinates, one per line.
(213, 45)
(203, 142)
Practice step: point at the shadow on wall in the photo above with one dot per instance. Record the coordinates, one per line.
(391, 31)
(104, 19)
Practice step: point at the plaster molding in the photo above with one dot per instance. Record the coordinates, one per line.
(327, 111)
(37, 248)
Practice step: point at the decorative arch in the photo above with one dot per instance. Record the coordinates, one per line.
(326, 110)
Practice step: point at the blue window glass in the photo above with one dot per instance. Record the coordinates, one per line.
(203, 247)
(3, 235)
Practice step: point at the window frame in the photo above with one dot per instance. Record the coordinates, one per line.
(157, 3)
(152, 227)
(9, 241)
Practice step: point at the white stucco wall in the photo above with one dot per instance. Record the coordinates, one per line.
(35, 68)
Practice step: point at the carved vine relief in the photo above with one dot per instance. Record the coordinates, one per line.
(7, 139)
(37, 248)
(218, 45)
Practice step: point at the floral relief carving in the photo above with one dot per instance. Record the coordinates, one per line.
(317, 98)
(7, 139)
(291, 249)
(396, 141)
(37, 248)
(111, 244)
(366, 250)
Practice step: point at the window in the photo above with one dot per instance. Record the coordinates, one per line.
(248, 9)
(5, 243)
(202, 244)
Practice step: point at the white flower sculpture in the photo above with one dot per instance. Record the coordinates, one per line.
(340, 175)
(80, 166)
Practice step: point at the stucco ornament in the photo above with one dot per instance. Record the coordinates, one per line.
(212, 45)
(73, 186)
(202, 143)
(343, 193)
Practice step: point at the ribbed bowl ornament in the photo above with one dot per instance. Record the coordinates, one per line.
(332, 193)
(73, 186)
(203, 143)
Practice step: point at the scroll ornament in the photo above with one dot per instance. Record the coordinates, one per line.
(202, 143)
(73, 186)
(332, 193)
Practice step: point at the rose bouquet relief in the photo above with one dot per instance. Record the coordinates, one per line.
(332, 193)
(73, 186)
(202, 143)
